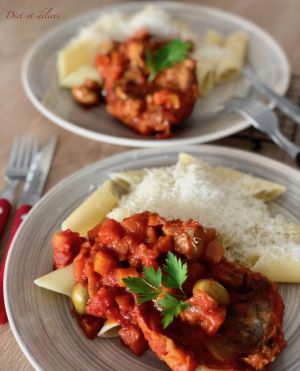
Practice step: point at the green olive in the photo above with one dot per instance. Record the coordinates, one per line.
(213, 289)
(80, 297)
(222, 349)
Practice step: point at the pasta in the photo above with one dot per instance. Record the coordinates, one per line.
(61, 281)
(93, 210)
(230, 67)
(212, 37)
(260, 188)
(219, 59)
(126, 179)
(205, 76)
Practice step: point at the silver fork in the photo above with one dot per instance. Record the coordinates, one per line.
(23, 150)
(283, 104)
(265, 120)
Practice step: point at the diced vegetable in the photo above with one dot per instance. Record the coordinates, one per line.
(66, 245)
(104, 263)
(90, 325)
(124, 273)
(134, 338)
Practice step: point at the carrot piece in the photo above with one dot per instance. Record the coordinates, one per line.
(104, 263)
(124, 273)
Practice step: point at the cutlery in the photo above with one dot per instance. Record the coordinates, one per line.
(32, 191)
(283, 104)
(265, 120)
(23, 150)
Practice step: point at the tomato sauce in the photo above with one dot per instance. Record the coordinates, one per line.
(245, 334)
(146, 107)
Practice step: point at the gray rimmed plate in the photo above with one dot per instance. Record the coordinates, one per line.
(208, 121)
(41, 320)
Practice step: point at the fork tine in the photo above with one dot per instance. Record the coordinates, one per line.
(20, 152)
(27, 152)
(34, 148)
(250, 106)
(23, 150)
(14, 152)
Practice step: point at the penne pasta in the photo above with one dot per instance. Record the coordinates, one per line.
(205, 76)
(230, 66)
(61, 281)
(126, 179)
(212, 37)
(260, 188)
(79, 76)
(278, 268)
(219, 59)
(75, 55)
(93, 210)
(110, 329)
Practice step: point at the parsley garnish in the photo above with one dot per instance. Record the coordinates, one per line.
(166, 56)
(171, 308)
(149, 287)
(176, 272)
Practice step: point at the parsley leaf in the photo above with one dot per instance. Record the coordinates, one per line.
(171, 308)
(176, 272)
(166, 56)
(144, 291)
(153, 277)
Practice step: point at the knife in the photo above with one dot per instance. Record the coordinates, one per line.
(32, 191)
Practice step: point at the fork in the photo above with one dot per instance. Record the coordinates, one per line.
(288, 108)
(23, 150)
(265, 120)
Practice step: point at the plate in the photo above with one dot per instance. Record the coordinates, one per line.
(208, 121)
(41, 320)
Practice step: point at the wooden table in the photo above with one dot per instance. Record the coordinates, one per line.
(279, 17)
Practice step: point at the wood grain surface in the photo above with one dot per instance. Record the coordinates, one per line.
(279, 17)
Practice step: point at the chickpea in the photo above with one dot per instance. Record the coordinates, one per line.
(213, 289)
(80, 297)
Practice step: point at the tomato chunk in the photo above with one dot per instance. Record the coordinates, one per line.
(90, 325)
(204, 310)
(66, 245)
(103, 304)
(134, 338)
(110, 233)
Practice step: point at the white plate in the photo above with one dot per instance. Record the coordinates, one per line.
(208, 122)
(41, 320)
